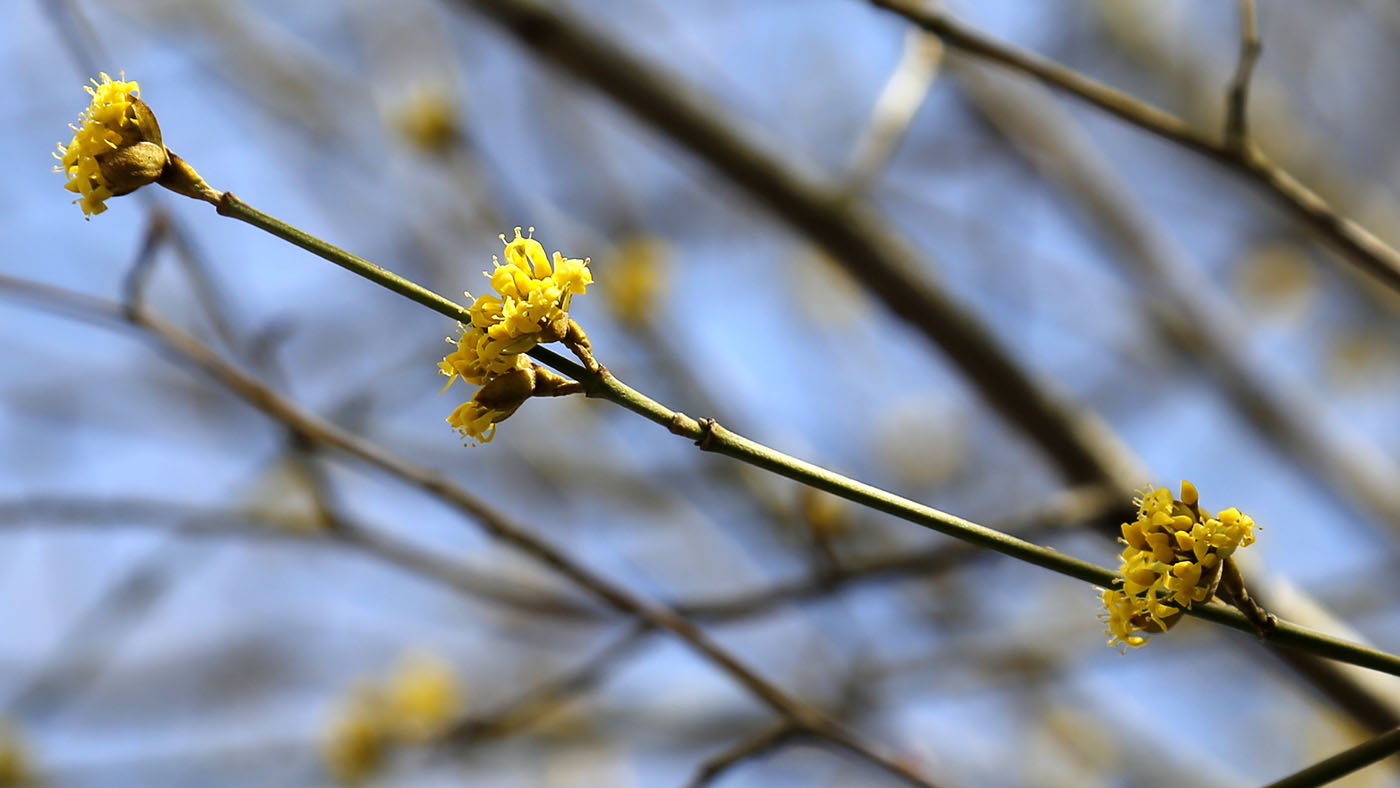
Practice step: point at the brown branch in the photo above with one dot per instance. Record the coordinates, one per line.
(201, 522)
(753, 747)
(849, 232)
(1363, 248)
(190, 352)
(536, 703)
(1066, 511)
(1237, 98)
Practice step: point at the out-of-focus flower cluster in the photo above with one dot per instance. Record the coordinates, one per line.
(427, 120)
(530, 306)
(636, 279)
(420, 701)
(16, 770)
(1172, 559)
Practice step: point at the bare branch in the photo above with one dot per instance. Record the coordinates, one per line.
(1343, 763)
(752, 747)
(189, 351)
(1201, 325)
(1237, 99)
(850, 232)
(538, 702)
(898, 102)
(1362, 247)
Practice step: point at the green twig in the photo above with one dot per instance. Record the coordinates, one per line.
(710, 436)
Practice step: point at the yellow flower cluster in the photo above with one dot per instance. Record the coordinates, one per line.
(1172, 560)
(419, 703)
(108, 124)
(530, 306)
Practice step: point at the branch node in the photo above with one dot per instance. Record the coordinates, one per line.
(707, 434)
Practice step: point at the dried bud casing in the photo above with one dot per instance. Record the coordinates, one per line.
(180, 177)
(130, 167)
(146, 125)
(507, 392)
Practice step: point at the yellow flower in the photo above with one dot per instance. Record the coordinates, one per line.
(1120, 616)
(354, 747)
(422, 698)
(470, 360)
(475, 423)
(1171, 560)
(116, 149)
(534, 295)
(501, 396)
(530, 306)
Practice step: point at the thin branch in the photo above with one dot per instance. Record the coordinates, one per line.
(850, 232)
(190, 351)
(201, 522)
(138, 274)
(904, 92)
(1066, 511)
(1363, 248)
(1201, 325)
(1237, 99)
(74, 662)
(538, 702)
(752, 747)
(708, 436)
(1343, 763)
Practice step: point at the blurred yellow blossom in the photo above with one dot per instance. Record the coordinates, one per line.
(355, 743)
(825, 514)
(1172, 560)
(15, 767)
(1277, 279)
(427, 119)
(636, 278)
(1360, 356)
(422, 698)
(419, 702)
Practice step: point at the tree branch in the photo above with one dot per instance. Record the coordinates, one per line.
(1237, 98)
(1363, 248)
(752, 747)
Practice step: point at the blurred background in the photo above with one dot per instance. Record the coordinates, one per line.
(187, 596)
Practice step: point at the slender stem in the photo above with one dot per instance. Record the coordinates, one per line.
(852, 232)
(1343, 763)
(231, 206)
(191, 351)
(755, 746)
(710, 436)
(1237, 99)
